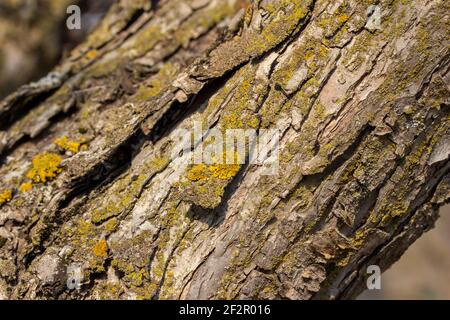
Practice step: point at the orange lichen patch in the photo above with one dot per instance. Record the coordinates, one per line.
(25, 187)
(6, 196)
(66, 144)
(224, 171)
(92, 54)
(45, 167)
(220, 170)
(343, 18)
(101, 249)
(198, 172)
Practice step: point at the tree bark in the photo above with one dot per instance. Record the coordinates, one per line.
(88, 181)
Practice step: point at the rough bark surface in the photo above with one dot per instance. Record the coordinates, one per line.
(87, 178)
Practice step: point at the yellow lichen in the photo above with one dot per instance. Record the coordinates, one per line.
(344, 261)
(138, 278)
(343, 18)
(91, 54)
(68, 145)
(359, 238)
(198, 172)
(45, 167)
(5, 196)
(101, 249)
(201, 172)
(224, 171)
(25, 187)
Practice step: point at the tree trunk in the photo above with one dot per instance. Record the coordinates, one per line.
(90, 192)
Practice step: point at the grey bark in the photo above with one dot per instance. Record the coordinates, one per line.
(364, 162)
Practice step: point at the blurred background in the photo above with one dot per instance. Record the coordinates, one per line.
(423, 272)
(34, 37)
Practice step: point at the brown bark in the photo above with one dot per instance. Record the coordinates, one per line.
(87, 178)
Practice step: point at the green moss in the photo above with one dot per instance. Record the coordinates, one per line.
(203, 20)
(85, 228)
(344, 261)
(143, 41)
(159, 266)
(348, 172)
(145, 92)
(147, 291)
(111, 225)
(332, 23)
(280, 27)
(135, 277)
(83, 235)
(109, 291)
(251, 43)
(157, 83)
(124, 194)
(395, 210)
(207, 182)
